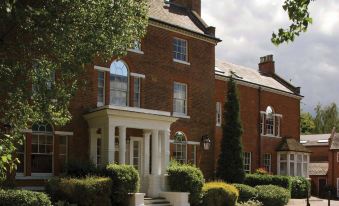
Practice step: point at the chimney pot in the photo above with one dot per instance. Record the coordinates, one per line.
(266, 65)
(194, 5)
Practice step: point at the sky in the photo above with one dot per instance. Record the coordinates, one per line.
(311, 61)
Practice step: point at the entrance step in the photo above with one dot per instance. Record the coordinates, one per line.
(158, 201)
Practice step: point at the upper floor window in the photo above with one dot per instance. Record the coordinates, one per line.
(180, 49)
(218, 113)
(119, 83)
(101, 88)
(180, 147)
(136, 95)
(180, 98)
(137, 45)
(270, 122)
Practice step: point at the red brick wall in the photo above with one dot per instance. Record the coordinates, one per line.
(319, 153)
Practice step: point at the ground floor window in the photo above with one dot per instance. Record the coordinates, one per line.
(63, 151)
(247, 162)
(293, 163)
(180, 147)
(42, 153)
(267, 162)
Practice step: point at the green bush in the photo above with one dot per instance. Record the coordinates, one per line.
(125, 179)
(219, 194)
(250, 203)
(186, 178)
(271, 195)
(246, 192)
(277, 180)
(23, 198)
(83, 192)
(78, 168)
(299, 187)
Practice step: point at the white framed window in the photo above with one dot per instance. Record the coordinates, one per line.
(193, 154)
(180, 147)
(99, 152)
(218, 114)
(293, 163)
(180, 50)
(262, 124)
(119, 83)
(101, 88)
(270, 122)
(137, 45)
(337, 156)
(180, 98)
(136, 95)
(337, 187)
(268, 162)
(63, 151)
(247, 162)
(282, 164)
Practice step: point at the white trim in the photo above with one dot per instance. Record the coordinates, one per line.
(134, 109)
(176, 114)
(35, 176)
(100, 68)
(188, 142)
(181, 62)
(63, 133)
(179, 115)
(270, 135)
(135, 51)
(337, 187)
(337, 156)
(100, 104)
(132, 74)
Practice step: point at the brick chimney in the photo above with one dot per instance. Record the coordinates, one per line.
(266, 65)
(194, 5)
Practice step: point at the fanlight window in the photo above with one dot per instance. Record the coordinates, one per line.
(180, 147)
(118, 83)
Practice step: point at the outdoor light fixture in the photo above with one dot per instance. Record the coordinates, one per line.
(206, 142)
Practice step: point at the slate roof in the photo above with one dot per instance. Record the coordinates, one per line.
(318, 168)
(315, 139)
(290, 144)
(249, 75)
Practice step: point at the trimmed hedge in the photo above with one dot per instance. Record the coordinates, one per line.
(219, 194)
(250, 203)
(83, 192)
(125, 179)
(277, 180)
(246, 192)
(78, 168)
(271, 195)
(23, 198)
(186, 178)
(299, 187)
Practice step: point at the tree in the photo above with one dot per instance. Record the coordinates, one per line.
(307, 125)
(326, 118)
(299, 14)
(230, 166)
(43, 39)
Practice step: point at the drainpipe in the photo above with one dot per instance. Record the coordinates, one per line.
(259, 121)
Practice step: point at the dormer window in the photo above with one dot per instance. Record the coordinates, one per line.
(270, 122)
(119, 83)
(180, 51)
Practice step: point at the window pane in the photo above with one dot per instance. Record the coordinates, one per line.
(283, 156)
(179, 98)
(283, 168)
(292, 169)
(118, 83)
(180, 49)
(136, 92)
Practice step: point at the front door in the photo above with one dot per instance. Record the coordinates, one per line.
(136, 153)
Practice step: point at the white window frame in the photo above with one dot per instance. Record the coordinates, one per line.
(136, 47)
(99, 104)
(304, 161)
(66, 154)
(247, 161)
(39, 153)
(268, 162)
(127, 91)
(218, 114)
(97, 152)
(184, 61)
(138, 102)
(337, 187)
(176, 113)
(276, 124)
(337, 156)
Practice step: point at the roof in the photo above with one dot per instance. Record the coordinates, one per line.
(178, 16)
(290, 144)
(335, 140)
(318, 168)
(315, 139)
(249, 75)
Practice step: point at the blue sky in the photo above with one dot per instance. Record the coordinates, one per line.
(311, 61)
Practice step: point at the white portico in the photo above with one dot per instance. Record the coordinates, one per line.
(148, 153)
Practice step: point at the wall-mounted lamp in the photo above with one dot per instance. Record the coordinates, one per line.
(206, 142)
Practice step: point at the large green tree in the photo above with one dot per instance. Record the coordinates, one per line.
(307, 125)
(230, 166)
(42, 39)
(326, 118)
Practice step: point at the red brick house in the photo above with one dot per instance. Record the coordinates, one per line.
(162, 101)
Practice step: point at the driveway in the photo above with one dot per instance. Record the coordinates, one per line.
(314, 201)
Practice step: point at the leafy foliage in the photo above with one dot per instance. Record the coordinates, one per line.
(230, 166)
(298, 13)
(219, 194)
(77, 168)
(23, 198)
(250, 203)
(246, 192)
(277, 180)
(271, 195)
(261, 171)
(300, 187)
(186, 178)
(307, 125)
(326, 118)
(43, 39)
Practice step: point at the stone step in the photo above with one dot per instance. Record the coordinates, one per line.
(159, 201)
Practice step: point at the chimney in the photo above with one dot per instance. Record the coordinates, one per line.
(194, 5)
(266, 65)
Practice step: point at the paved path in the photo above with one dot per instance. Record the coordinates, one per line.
(314, 201)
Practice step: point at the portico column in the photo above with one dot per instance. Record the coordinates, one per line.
(165, 151)
(93, 148)
(122, 145)
(155, 151)
(111, 143)
(147, 135)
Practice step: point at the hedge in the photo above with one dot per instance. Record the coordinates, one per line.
(78, 168)
(299, 187)
(83, 192)
(250, 203)
(271, 195)
(23, 198)
(219, 194)
(125, 179)
(246, 192)
(186, 178)
(277, 180)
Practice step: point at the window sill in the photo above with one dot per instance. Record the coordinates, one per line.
(270, 135)
(184, 116)
(100, 104)
(218, 125)
(135, 51)
(34, 176)
(181, 62)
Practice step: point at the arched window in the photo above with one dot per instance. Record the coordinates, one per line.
(180, 147)
(118, 83)
(269, 121)
(42, 148)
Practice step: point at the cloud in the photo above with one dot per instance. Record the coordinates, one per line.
(311, 61)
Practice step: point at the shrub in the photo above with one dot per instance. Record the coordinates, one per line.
(76, 168)
(125, 179)
(219, 194)
(277, 180)
(246, 192)
(23, 198)
(261, 171)
(299, 187)
(186, 178)
(85, 191)
(250, 203)
(271, 195)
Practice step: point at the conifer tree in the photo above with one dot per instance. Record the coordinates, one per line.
(230, 163)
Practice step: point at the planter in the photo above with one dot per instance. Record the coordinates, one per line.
(176, 198)
(136, 199)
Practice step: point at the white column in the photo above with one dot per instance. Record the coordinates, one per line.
(122, 145)
(93, 145)
(155, 152)
(165, 151)
(147, 135)
(111, 143)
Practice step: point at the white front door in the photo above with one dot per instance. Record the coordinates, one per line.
(136, 147)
